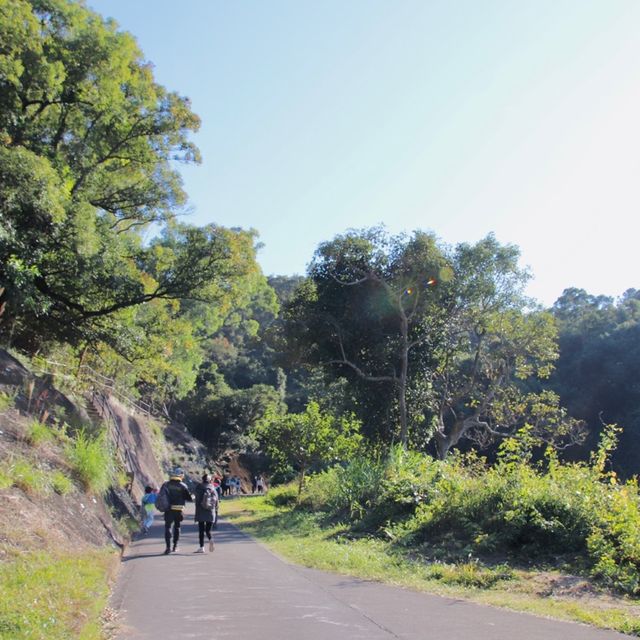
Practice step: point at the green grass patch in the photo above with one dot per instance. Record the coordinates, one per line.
(310, 540)
(91, 460)
(60, 483)
(28, 477)
(54, 598)
(38, 433)
(6, 401)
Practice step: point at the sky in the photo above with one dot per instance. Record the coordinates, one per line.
(459, 117)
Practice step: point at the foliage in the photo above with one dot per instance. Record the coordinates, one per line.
(514, 508)
(54, 597)
(91, 460)
(88, 149)
(598, 370)
(6, 401)
(438, 340)
(282, 496)
(308, 440)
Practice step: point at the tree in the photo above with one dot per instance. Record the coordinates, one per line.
(598, 369)
(87, 142)
(309, 439)
(371, 312)
(437, 338)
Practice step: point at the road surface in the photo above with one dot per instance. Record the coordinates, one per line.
(242, 591)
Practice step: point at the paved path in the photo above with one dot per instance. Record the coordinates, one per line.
(244, 592)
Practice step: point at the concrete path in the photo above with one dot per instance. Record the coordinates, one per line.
(242, 591)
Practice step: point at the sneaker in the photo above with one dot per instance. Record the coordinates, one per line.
(175, 548)
(211, 545)
(200, 550)
(167, 551)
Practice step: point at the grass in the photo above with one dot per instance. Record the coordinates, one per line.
(6, 401)
(92, 461)
(38, 433)
(304, 538)
(55, 597)
(60, 483)
(28, 477)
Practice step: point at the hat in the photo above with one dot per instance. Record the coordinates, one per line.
(177, 472)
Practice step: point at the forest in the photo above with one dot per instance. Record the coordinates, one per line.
(386, 340)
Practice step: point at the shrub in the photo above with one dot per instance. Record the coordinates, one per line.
(614, 542)
(91, 460)
(319, 491)
(283, 496)
(354, 489)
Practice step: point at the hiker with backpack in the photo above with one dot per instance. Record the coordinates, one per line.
(206, 497)
(171, 500)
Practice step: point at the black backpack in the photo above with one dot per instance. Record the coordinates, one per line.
(162, 501)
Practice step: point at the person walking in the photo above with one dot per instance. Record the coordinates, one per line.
(178, 495)
(206, 497)
(148, 504)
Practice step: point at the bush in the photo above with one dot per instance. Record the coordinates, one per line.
(614, 541)
(283, 496)
(349, 491)
(514, 508)
(6, 401)
(91, 460)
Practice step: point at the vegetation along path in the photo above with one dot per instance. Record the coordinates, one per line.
(242, 590)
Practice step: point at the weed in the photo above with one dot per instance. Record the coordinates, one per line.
(26, 476)
(7, 400)
(38, 433)
(91, 460)
(60, 483)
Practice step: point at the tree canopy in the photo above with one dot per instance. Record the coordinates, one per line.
(435, 340)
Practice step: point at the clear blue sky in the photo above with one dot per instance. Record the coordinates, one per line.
(457, 116)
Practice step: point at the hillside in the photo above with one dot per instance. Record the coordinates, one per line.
(62, 514)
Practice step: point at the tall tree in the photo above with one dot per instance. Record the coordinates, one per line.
(437, 338)
(87, 145)
(599, 366)
(371, 312)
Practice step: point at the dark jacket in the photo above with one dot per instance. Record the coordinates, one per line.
(178, 494)
(202, 514)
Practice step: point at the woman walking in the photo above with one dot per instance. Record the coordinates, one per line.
(206, 499)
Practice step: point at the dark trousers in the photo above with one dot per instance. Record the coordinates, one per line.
(172, 518)
(204, 527)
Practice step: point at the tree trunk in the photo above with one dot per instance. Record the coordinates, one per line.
(402, 383)
(444, 441)
(300, 484)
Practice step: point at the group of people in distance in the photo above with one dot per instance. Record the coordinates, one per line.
(206, 497)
